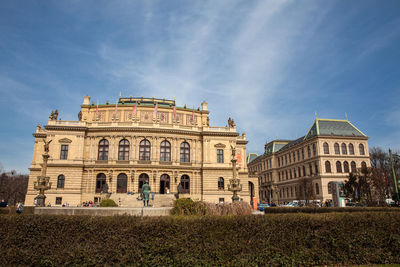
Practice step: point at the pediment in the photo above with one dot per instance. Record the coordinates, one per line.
(220, 145)
(65, 140)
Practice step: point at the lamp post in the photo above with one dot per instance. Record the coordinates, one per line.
(234, 183)
(42, 184)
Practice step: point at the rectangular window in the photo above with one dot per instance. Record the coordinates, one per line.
(302, 153)
(58, 200)
(290, 158)
(220, 155)
(64, 152)
(294, 156)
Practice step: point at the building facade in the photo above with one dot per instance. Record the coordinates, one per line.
(302, 169)
(134, 141)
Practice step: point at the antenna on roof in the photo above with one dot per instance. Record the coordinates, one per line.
(120, 94)
(345, 114)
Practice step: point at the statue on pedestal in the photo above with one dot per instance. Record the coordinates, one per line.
(145, 194)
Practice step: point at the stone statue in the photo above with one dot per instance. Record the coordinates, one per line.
(46, 146)
(54, 115)
(180, 188)
(105, 188)
(38, 128)
(233, 151)
(80, 115)
(208, 121)
(231, 123)
(145, 194)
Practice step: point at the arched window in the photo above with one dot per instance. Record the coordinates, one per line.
(122, 180)
(60, 181)
(123, 150)
(185, 152)
(328, 166)
(336, 146)
(326, 148)
(346, 166)
(304, 171)
(309, 151)
(221, 183)
(103, 150)
(363, 166)
(143, 178)
(316, 189)
(144, 150)
(338, 166)
(353, 167)
(185, 183)
(344, 149)
(351, 149)
(165, 151)
(361, 148)
(314, 149)
(100, 181)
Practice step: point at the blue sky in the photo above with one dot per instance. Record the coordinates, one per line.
(270, 65)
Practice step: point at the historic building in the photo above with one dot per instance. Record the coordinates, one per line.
(302, 169)
(134, 141)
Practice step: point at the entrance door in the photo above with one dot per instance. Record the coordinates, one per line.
(142, 179)
(121, 183)
(164, 183)
(251, 189)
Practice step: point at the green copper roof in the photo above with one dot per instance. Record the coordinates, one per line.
(333, 127)
(251, 157)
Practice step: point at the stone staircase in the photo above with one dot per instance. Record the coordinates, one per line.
(160, 200)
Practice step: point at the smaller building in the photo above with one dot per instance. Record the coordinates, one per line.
(301, 169)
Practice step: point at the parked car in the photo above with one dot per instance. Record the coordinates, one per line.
(261, 206)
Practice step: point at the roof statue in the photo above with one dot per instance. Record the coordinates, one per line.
(54, 115)
(231, 123)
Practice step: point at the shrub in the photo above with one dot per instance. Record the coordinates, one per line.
(359, 238)
(108, 203)
(328, 210)
(186, 206)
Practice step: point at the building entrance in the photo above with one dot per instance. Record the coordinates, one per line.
(164, 183)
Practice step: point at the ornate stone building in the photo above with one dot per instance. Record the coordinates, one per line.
(134, 141)
(302, 169)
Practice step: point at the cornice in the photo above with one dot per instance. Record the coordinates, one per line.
(242, 142)
(140, 129)
(65, 128)
(141, 166)
(233, 134)
(39, 135)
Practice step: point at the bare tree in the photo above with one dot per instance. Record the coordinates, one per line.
(13, 187)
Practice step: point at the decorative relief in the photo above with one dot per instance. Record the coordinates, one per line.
(99, 116)
(146, 116)
(163, 117)
(65, 140)
(179, 118)
(189, 119)
(220, 145)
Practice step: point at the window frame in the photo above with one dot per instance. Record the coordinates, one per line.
(144, 150)
(165, 151)
(220, 156)
(61, 181)
(103, 149)
(221, 183)
(64, 152)
(123, 149)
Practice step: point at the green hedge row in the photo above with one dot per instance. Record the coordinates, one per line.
(325, 210)
(284, 239)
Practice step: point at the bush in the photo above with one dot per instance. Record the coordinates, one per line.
(270, 240)
(327, 210)
(108, 203)
(186, 206)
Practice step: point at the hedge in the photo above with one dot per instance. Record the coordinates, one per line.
(108, 203)
(186, 206)
(284, 239)
(326, 209)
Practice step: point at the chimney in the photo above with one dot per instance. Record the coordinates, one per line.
(204, 105)
(86, 100)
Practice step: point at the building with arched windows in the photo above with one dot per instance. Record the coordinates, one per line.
(302, 169)
(139, 140)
